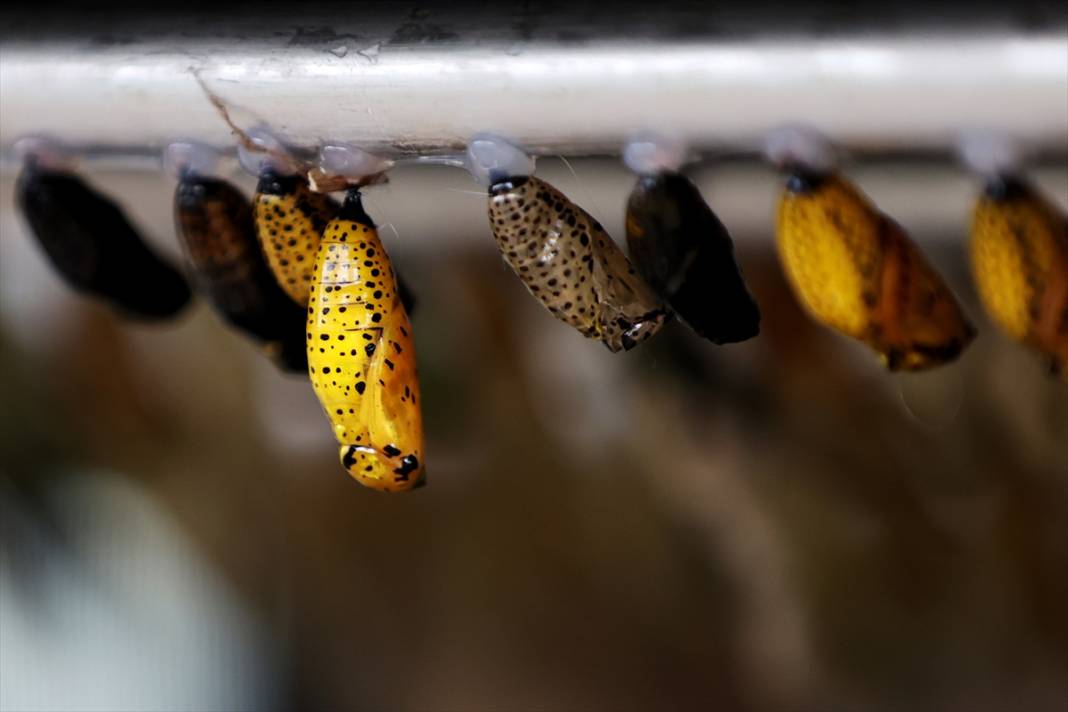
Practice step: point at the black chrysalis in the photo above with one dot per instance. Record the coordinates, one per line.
(94, 247)
(686, 254)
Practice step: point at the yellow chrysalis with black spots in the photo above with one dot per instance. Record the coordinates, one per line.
(856, 271)
(1019, 251)
(361, 356)
(290, 219)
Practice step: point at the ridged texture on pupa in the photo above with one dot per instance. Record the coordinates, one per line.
(567, 260)
(214, 224)
(855, 270)
(686, 254)
(94, 247)
(1019, 250)
(290, 219)
(361, 355)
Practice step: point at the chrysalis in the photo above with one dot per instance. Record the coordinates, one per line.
(564, 257)
(1019, 250)
(94, 247)
(215, 226)
(855, 270)
(682, 249)
(290, 219)
(290, 215)
(361, 355)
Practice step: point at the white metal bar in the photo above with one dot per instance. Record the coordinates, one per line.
(868, 92)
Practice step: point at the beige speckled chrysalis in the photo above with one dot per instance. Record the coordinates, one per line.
(567, 260)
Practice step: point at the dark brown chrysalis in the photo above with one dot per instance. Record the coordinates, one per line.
(686, 254)
(92, 244)
(215, 225)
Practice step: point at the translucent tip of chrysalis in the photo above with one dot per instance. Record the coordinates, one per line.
(989, 153)
(491, 159)
(190, 157)
(800, 147)
(266, 152)
(342, 159)
(44, 151)
(648, 153)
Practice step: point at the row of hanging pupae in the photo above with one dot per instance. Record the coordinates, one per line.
(309, 279)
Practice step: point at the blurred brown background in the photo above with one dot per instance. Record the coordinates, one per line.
(777, 525)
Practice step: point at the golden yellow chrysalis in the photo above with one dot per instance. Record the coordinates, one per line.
(290, 219)
(361, 356)
(1019, 251)
(856, 271)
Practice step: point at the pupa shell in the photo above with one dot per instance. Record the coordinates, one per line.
(567, 260)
